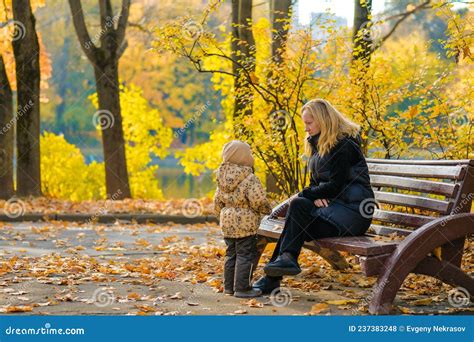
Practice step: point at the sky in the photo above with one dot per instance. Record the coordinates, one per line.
(342, 8)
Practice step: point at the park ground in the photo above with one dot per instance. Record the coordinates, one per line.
(126, 268)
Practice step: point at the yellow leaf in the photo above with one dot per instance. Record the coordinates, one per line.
(405, 310)
(17, 308)
(133, 295)
(425, 301)
(319, 308)
(342, 302)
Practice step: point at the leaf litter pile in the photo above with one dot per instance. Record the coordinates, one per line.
(171, 269)
(44, 205)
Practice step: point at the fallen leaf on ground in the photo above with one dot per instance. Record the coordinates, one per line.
(342, 301)
(253, 303)
(145, 308)
(133, 295)
(319, 308)
(240, 312)
(424, 301)
(16, 308)
(405, 310)
(177, 295)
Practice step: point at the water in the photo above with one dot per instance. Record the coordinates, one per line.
(177, 184)
(172, 180)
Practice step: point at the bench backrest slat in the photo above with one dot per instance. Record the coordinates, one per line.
(422, 171)
(412, 201)
(439, 188)
(391, 179)
(385, 230)
(401, 219)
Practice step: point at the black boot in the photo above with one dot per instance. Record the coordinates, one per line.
(285, 264)
(267, 284)
(251, 293)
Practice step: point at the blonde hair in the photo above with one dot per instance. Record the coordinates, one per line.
(334, 125)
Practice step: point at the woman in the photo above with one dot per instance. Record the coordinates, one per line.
(333, 203)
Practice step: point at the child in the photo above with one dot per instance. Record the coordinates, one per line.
(240, 201)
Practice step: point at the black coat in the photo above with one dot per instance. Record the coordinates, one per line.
(342, 177)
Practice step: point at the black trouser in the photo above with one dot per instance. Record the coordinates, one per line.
(238, 268)
(301, 226)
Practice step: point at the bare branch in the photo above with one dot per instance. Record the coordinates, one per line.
(403, 16)
(122, 24)
(87, 45)
(106, 15)
(122, 48)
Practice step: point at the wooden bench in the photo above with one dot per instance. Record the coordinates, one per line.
(426, 204)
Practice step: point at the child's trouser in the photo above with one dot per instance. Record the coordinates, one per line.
(238, 268)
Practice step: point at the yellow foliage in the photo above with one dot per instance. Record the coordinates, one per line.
(64, 173)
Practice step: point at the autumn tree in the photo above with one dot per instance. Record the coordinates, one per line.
(6, 134)
(16, 77)
(280, 15)
(399, 97)
(361, 31)
(272, 133)
(105, 60)
(27, 61)
(243, 63)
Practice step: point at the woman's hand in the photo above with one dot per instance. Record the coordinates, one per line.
(321, 203)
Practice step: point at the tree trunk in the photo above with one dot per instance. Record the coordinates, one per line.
(243, 54)
(362, 37)
(7, 126)
(113, 142)
(105, 60)
(26, 51)
(361, 33)
(280, 15)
